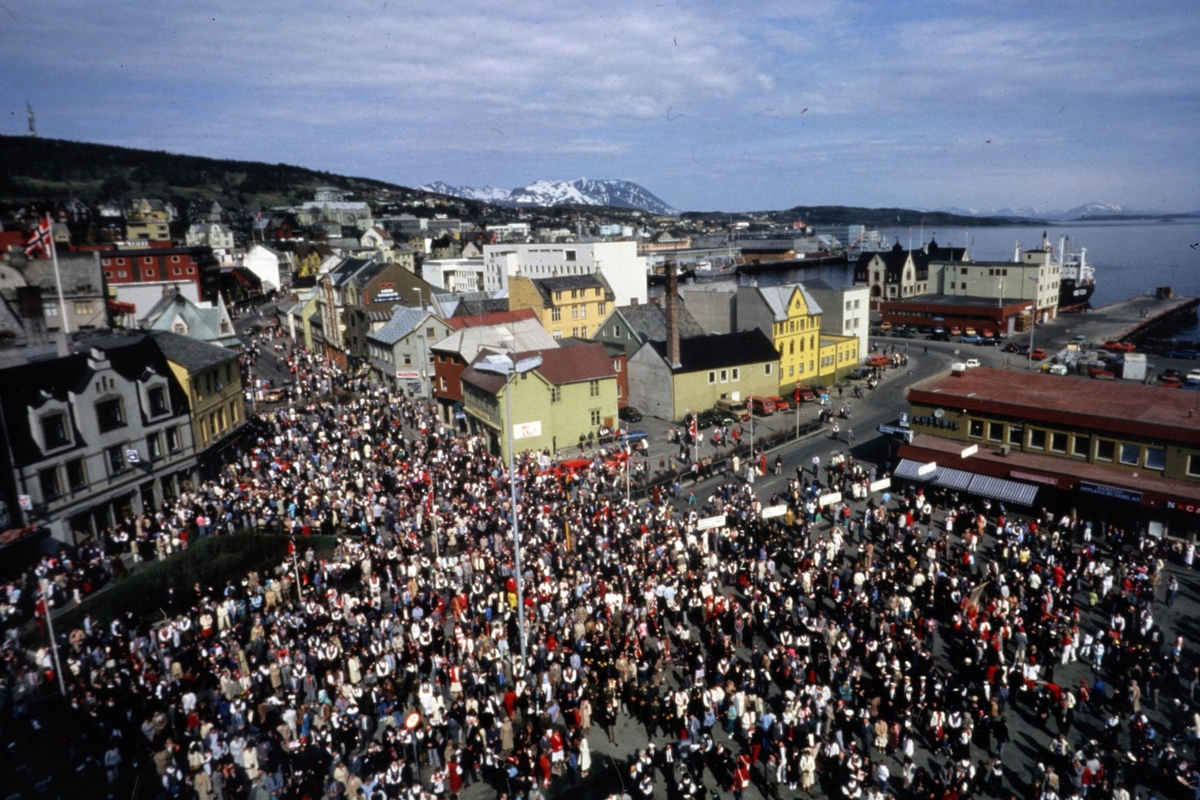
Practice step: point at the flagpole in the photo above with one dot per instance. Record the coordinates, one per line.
(57, 277)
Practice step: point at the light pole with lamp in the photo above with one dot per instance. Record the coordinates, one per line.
(505, 366)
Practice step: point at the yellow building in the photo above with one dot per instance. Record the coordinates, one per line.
(213, 382)
(572, 305)
(792, 319)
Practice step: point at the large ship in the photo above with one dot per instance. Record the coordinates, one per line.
(1076, 277)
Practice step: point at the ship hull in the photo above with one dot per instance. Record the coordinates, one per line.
(1072, 296)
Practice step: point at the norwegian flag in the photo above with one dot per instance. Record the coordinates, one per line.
(41, 238)
(692, 428)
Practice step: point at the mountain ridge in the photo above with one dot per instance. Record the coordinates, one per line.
(549, 193)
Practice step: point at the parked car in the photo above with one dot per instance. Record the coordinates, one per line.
(1100, 372)
(780, 403)
(972, 363)
(1170, 372)
(1194, 375)
(762, 406)
(956, 331)
(630, 414)
(807, 395)
(1015, 347)
(970, 332)
(970, 338)
(1119, 347)
(1190, 355)
(859, 374)
(878, 360)
(735, 407)
(1038, 354)
(630, 437)
(1057, 369)
(1170, 382)
(711, 417)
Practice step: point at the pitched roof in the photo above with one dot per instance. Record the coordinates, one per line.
(546, 287)
(488, 305)
(559, 366)
(525, 334)
(190, 353)
(403, 322)
(719, 350)
(494, 318)
(649, 321)
(778, 298)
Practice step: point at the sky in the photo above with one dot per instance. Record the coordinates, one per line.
(711, 106)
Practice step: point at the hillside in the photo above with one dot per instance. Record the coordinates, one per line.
(854, 215)
(35, 169)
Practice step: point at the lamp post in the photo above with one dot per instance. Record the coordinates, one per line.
(504, 365)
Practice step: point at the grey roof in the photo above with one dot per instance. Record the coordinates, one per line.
(202, 322)
(547, 286)
(190, 353)
(403, 322)
(778, 298)
(649, 322)
(80, 274)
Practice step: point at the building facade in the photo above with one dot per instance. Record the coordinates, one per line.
(623, 269)
(574, 305)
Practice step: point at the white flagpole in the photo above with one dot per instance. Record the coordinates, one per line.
(58, 278)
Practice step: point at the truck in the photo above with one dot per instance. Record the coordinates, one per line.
(1135, 367)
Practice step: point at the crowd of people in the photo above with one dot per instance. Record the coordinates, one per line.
(861, 649)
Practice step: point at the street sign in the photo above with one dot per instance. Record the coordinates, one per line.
(774, 511)
(970, 451)
(927, 469)
(527, 430)
(880, 485)
(708, 523)
(829, 499)
(132, 456)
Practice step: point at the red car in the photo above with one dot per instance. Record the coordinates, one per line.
(1098, 372)
(878, 360)
(1170, 383)
(1120, 347)
(1038, 354)
(780, 403)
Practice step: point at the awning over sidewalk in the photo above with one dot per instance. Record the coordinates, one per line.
(942, 476)
(1005, 491)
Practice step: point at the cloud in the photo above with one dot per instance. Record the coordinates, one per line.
(763, 96)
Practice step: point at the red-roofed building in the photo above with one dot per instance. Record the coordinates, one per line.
(1105, 451)
(572, 393)
(493, 318)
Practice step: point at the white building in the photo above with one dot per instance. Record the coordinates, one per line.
(1035, 277)
(454, 274)
(845, 310)
(269, 265)
(618, 262)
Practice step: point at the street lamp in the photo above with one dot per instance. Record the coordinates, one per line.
(504, 365)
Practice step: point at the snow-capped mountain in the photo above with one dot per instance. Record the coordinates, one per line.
(583, 192)
(1029, 212)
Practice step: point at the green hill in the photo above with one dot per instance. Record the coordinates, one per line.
(34, 169)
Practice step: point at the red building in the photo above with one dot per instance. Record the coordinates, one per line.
(154, 264)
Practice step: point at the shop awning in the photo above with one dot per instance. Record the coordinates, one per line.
(1005, 491)
(942, 476)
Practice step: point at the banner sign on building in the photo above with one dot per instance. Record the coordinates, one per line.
(527, 430)
(1110, 491)
(1032, 478)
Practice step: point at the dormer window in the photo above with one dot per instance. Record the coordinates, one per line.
(55, 430)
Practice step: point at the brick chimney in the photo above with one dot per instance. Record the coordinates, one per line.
(672, 316)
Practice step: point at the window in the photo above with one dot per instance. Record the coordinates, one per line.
(602, 308)
(712, 378)
(595, 417)
(1058, 443)
(154, 446)
(50, 309)
(48, 479)
(83, 307)
(766, 369)
(110, 415)
(1037, 439)
(1016, 435)
(736, 374)
(1081, 446)
(1105, 451)
(54, 430)
(617, 331)
(594, 388)
(1131, 454)
(1156, 458)
(582, 312)
(1193, 465)
(995, 432)
(558, 295)
(724, 376)
(557, 335)
(616, 366)
(407, 359)
(790, 370)
(975, 428)
(172, 436)
(569, 255)
(76, 474)
(116, 460)
(158, 401)
(555, 394)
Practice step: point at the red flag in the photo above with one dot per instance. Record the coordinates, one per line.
(40, 242)
(692, 429)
